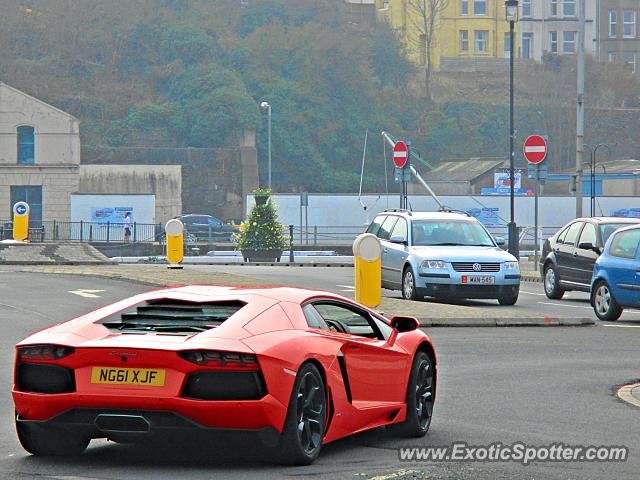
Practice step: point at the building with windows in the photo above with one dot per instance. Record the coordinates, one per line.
(39, 156)
(551, 27)
(462, 29)
(617, 32)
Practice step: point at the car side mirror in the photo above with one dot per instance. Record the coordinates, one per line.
(500, 241)
(404, 323)
(398, 239)
(589, 246)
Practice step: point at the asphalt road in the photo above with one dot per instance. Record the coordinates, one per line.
(535, 385)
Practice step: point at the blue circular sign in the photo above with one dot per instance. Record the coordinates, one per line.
(21, 209)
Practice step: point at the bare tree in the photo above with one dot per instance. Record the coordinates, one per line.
(427, 14)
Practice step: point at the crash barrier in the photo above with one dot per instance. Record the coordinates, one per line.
(175, 242)
(21, 221)
(367, 252)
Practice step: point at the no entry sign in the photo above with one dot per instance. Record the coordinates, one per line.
(535, 149)
(400, 154)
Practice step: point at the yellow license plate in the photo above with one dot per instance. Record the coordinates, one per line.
(128, 376)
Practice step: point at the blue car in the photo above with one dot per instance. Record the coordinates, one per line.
(616, 275)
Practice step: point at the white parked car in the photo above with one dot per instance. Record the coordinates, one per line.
(445, 255)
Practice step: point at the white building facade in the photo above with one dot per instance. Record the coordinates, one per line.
(551, 27)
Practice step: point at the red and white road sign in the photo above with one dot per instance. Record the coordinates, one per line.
(535, 149)
(400, 154)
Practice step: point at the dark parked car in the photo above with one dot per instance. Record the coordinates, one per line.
(568, 257)
(206, 227)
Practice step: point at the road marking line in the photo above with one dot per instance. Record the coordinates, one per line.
(349, 287)
(533, 293)
(86, 293)
(563, 305)
(622, 326)
(624, 393)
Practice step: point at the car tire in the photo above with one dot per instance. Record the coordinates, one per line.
(551, 282)
(604, 304)
(409, 289)
(50, 441)
(509, 298)
(305, 423)
(420, 397)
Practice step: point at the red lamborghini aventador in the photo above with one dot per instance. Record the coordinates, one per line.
(299, 367)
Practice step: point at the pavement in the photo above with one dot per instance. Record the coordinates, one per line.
(18, 253)
(539, 386)
(340, 280)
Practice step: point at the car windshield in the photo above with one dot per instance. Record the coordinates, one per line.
(608, 228)
(450, 232)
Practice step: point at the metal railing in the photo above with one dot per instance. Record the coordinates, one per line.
(53, 231)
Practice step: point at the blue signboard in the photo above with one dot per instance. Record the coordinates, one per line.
(486, 215)
(108, 214)
(626, 213)
(506, 191)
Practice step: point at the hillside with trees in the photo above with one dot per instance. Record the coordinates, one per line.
(191, 73)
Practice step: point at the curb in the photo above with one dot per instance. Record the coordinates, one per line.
(55, 263)
(506, 322)
(530, 277)
(630, 394)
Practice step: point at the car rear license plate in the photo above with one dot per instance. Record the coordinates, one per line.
(479, 279)
(151, 377)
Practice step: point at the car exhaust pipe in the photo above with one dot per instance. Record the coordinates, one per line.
(110, 423)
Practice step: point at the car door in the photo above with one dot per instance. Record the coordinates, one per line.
(585, 258)
(397, 252)
(376, 371)
(623, 267)
(388, 273)
(564, 250)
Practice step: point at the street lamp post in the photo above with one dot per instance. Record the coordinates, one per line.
(266, 106)
(511, 12)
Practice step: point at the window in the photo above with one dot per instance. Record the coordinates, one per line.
(613, 24)
(629, 18)
(588, 234)
(611, 56)
(553, 8)
(527, 44)
(348, 319)
(507, 45)
(480, 7)
(481, 41)
(464, 40)
(562, 235)
(625, 244)
(569, 42)
(386, 227)
(553, 42)
(569, 8)
(314, 319)
(33, 196)
(572, 233)
(449, 232)
(608, 228)
(630, 60)
(375, 225)
(464, 7)
(526, 8)
(400, 230)
(26, 145)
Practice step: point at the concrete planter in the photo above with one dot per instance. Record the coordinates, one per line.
(261, 255)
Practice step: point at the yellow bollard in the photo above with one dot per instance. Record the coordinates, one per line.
(368, 270)
(175, 246)
(21, 221)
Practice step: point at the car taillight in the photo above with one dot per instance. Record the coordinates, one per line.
(43, 352)
(228, 360)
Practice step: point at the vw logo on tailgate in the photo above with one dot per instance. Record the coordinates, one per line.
(477, 267)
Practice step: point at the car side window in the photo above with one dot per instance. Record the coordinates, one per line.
(215, 222)
(588, 234)
(387, 227)
(572, 233)
(625, 244)
(348, 319)
(314, 319)
(400, 229)
(561, 236)
(375, 225)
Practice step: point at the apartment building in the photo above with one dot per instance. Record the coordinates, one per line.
(617, 31)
